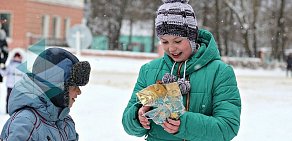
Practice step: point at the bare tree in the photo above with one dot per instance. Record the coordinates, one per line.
(256, 5)
(234, 22)
(278, 48)
(225, 32)
(141, 10)
(217, 27)
(241, 14)
(106, 19)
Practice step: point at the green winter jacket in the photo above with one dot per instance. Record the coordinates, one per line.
(215, 104)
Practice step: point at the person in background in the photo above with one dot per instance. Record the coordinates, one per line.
(3, 50)
(289, 65)
(208, 85)
(40, 102)
(12, 74)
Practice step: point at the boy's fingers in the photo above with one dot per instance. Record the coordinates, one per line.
(174, 122)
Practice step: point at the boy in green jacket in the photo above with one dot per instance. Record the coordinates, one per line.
(210, 96)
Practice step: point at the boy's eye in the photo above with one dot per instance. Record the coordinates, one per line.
(178, 41)
(164, 42)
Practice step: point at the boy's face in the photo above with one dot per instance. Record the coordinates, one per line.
(73, 92)
(178, 48)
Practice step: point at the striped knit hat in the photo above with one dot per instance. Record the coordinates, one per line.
(177, 17)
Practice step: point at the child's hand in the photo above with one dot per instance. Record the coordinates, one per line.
(171, 126)
(143, 120)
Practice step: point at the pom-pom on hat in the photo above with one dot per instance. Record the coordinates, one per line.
(177, 17)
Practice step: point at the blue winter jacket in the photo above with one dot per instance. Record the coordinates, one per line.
(33, 117)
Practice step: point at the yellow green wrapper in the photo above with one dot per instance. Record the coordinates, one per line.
(149, 95)
(166, 100)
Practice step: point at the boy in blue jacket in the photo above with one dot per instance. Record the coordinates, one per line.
(39, 104)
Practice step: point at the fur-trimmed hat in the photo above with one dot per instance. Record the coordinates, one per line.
(177, 17)
(55, 69)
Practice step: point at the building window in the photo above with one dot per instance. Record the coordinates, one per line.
(67, 23)
(5, 23)
(45, 26)
(56, 27)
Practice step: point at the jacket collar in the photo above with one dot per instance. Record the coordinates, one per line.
(207, 52)
(28, 94)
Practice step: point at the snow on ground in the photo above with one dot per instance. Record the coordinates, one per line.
(266, 102)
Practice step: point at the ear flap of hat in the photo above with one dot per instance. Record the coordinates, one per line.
(80, 74)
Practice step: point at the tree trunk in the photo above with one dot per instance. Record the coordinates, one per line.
(110, 38)
(246, 43)
(153, 47)
(120, 17)
(217, 31)
(279, 33)
(131, 34)
(242, 19)
(226, 35)
(256, 4)
(205, 19)
(282, 29)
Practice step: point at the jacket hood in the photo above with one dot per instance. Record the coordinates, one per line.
(28, 94)
(207, 52)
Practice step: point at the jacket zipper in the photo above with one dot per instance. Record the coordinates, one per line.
(188, 94)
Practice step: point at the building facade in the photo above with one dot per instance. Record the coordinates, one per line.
(27, 21)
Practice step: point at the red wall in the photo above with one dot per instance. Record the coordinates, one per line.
(26, 17)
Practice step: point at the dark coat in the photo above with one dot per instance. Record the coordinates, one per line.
(289, 62)
(4, 51)
(3, 54)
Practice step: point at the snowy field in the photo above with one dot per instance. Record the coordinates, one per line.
(266, 102)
